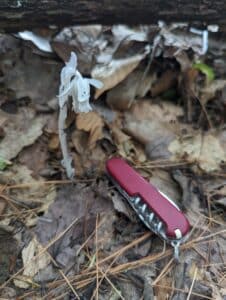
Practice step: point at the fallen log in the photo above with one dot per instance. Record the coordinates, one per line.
(18, 15)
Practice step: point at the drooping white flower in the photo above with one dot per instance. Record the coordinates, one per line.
(74, 85)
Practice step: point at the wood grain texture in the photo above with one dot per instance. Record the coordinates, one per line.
(27, 14)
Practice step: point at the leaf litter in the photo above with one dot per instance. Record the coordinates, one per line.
(162, 108)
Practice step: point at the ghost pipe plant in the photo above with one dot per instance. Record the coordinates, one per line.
(72, 86)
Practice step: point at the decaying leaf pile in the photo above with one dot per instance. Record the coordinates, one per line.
(163, 109)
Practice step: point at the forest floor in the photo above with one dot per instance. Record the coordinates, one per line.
(162, 108)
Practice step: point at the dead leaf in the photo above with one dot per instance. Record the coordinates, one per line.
(115, 71)
(146, 110)
(218, 294)
(118, 135)
(8, 252)
(154, 126)
(163, 181)
(135, 85)
(178, 36)
(8, 293)
(105, 112)
(87, 161)
(129, 290)
(93, 161)
(216, 190)
(122, 206)
(194, 271)
(86, 41)
(124, 32)
(205, 149)
(2, 206)
(21, 130)
(33, 195)
(190, 199)
(106, 230)
(161, 293)
(131, 150)
(91, 122)
(210, 90)
(54, 142)
(25, 72)
(31, 264)
(79, 202)
(157, 127)
(7, 43)
(35, 156)
(80, 141)
(167, 80)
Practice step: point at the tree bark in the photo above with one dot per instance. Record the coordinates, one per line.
(17, 15)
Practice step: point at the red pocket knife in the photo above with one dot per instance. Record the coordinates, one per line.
(156, 210)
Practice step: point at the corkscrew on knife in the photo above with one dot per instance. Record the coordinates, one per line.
(158, 212)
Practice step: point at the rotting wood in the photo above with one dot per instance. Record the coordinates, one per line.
(29, 14)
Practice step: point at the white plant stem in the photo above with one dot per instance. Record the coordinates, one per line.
(67, 159)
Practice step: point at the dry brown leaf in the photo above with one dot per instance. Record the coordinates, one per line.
(189, 198)
(205, 149)
(54, 142)
(118, 135)
(2, 206)
(31, 76)
(83, 40)
(162, 180)
(86, 160)
(154, 126)
(35, 157)
(21, 130)
(198, 273)
(79, 140)
(209, 92)
(120, 205)
(117, 70)
(35, 195)
(31, 264)
(163, 294)
(164, 83)
(91, 122)
(136, 85)
(180, 38)
(165, 112)
(90, 162)
(157, 127)
(131, 151)
(81, 202)
(8, 293)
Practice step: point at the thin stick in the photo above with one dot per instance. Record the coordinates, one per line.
(120, 251)
(69, 284)
(88, 239)
(192, 284)
(208, 236)
(97, 266)
(49, 182)
(185, 292)
(162, 272)
(112, 285)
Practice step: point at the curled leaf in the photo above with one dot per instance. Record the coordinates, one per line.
(206, 70)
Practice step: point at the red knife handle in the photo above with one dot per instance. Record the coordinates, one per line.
(135, 185)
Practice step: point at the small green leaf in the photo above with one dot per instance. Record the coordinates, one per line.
(4, 163)
(205, 69)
